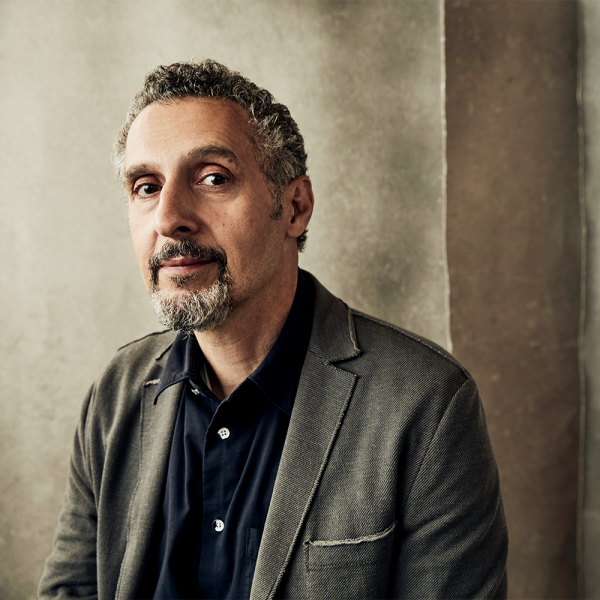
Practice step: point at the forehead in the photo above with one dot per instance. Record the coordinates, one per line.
(168, 129)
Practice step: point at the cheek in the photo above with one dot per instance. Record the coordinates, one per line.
(249, 236)
(143, 238)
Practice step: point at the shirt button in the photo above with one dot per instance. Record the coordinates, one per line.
(218, 525)
(224, 433)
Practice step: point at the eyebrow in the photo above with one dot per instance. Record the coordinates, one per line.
(202, 153)
(213, 151)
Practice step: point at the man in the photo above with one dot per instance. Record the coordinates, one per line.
(280, 444)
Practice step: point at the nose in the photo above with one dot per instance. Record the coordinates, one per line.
(176, 212)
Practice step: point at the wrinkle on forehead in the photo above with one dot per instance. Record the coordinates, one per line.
(245, 123)
(222, 132)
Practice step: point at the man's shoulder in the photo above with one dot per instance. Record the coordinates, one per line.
(381, 339)
(404, 364)
(152, 344)
(138, 361)
(342, 333)
(118, 389)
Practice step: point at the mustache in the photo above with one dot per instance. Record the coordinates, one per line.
(185, 248)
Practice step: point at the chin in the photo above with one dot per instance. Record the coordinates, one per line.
(187, 310)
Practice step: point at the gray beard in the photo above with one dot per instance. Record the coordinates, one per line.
(187, 311)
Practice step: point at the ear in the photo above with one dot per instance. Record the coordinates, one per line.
(298, 203)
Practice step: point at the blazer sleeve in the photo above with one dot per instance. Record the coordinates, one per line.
(454, 539)
(70, 570)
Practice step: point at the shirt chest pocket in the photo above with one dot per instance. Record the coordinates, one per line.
(352, 568)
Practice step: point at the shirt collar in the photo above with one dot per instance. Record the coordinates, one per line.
(278, 374)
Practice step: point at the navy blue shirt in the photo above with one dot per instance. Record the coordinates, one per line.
(223, 463)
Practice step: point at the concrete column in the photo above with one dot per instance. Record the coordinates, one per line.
(590, 38)
(514, 239)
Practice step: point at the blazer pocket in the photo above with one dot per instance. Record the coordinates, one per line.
(352, 568)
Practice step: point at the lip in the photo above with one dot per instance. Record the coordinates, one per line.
(184, 265)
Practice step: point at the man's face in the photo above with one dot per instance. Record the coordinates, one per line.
(193, 182)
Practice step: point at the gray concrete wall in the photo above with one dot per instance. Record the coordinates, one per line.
(514, 239)
(363, 79)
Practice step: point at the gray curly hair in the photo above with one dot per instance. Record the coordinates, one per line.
(278, 144)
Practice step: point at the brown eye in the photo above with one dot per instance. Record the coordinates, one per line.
(215, 179)
(146, 189)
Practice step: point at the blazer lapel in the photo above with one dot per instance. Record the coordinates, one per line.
(156, 430)
(323, 395)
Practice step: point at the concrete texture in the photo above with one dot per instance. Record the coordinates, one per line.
(590, 19)
(363, 79)
(514, 238)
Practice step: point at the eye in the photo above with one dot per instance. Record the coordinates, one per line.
(214, 180)
(146, 189)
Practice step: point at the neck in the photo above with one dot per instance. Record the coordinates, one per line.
(234, 349)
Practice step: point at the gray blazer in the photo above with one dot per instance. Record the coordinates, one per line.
(387, 486)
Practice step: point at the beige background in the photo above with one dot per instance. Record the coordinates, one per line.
(364, 81)
(386, 93)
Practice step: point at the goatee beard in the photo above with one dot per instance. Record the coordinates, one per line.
(189, 311)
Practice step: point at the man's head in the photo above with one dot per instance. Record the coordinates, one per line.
(215, 221)
(278, 143)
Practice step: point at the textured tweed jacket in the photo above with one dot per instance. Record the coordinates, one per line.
(387, 486)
